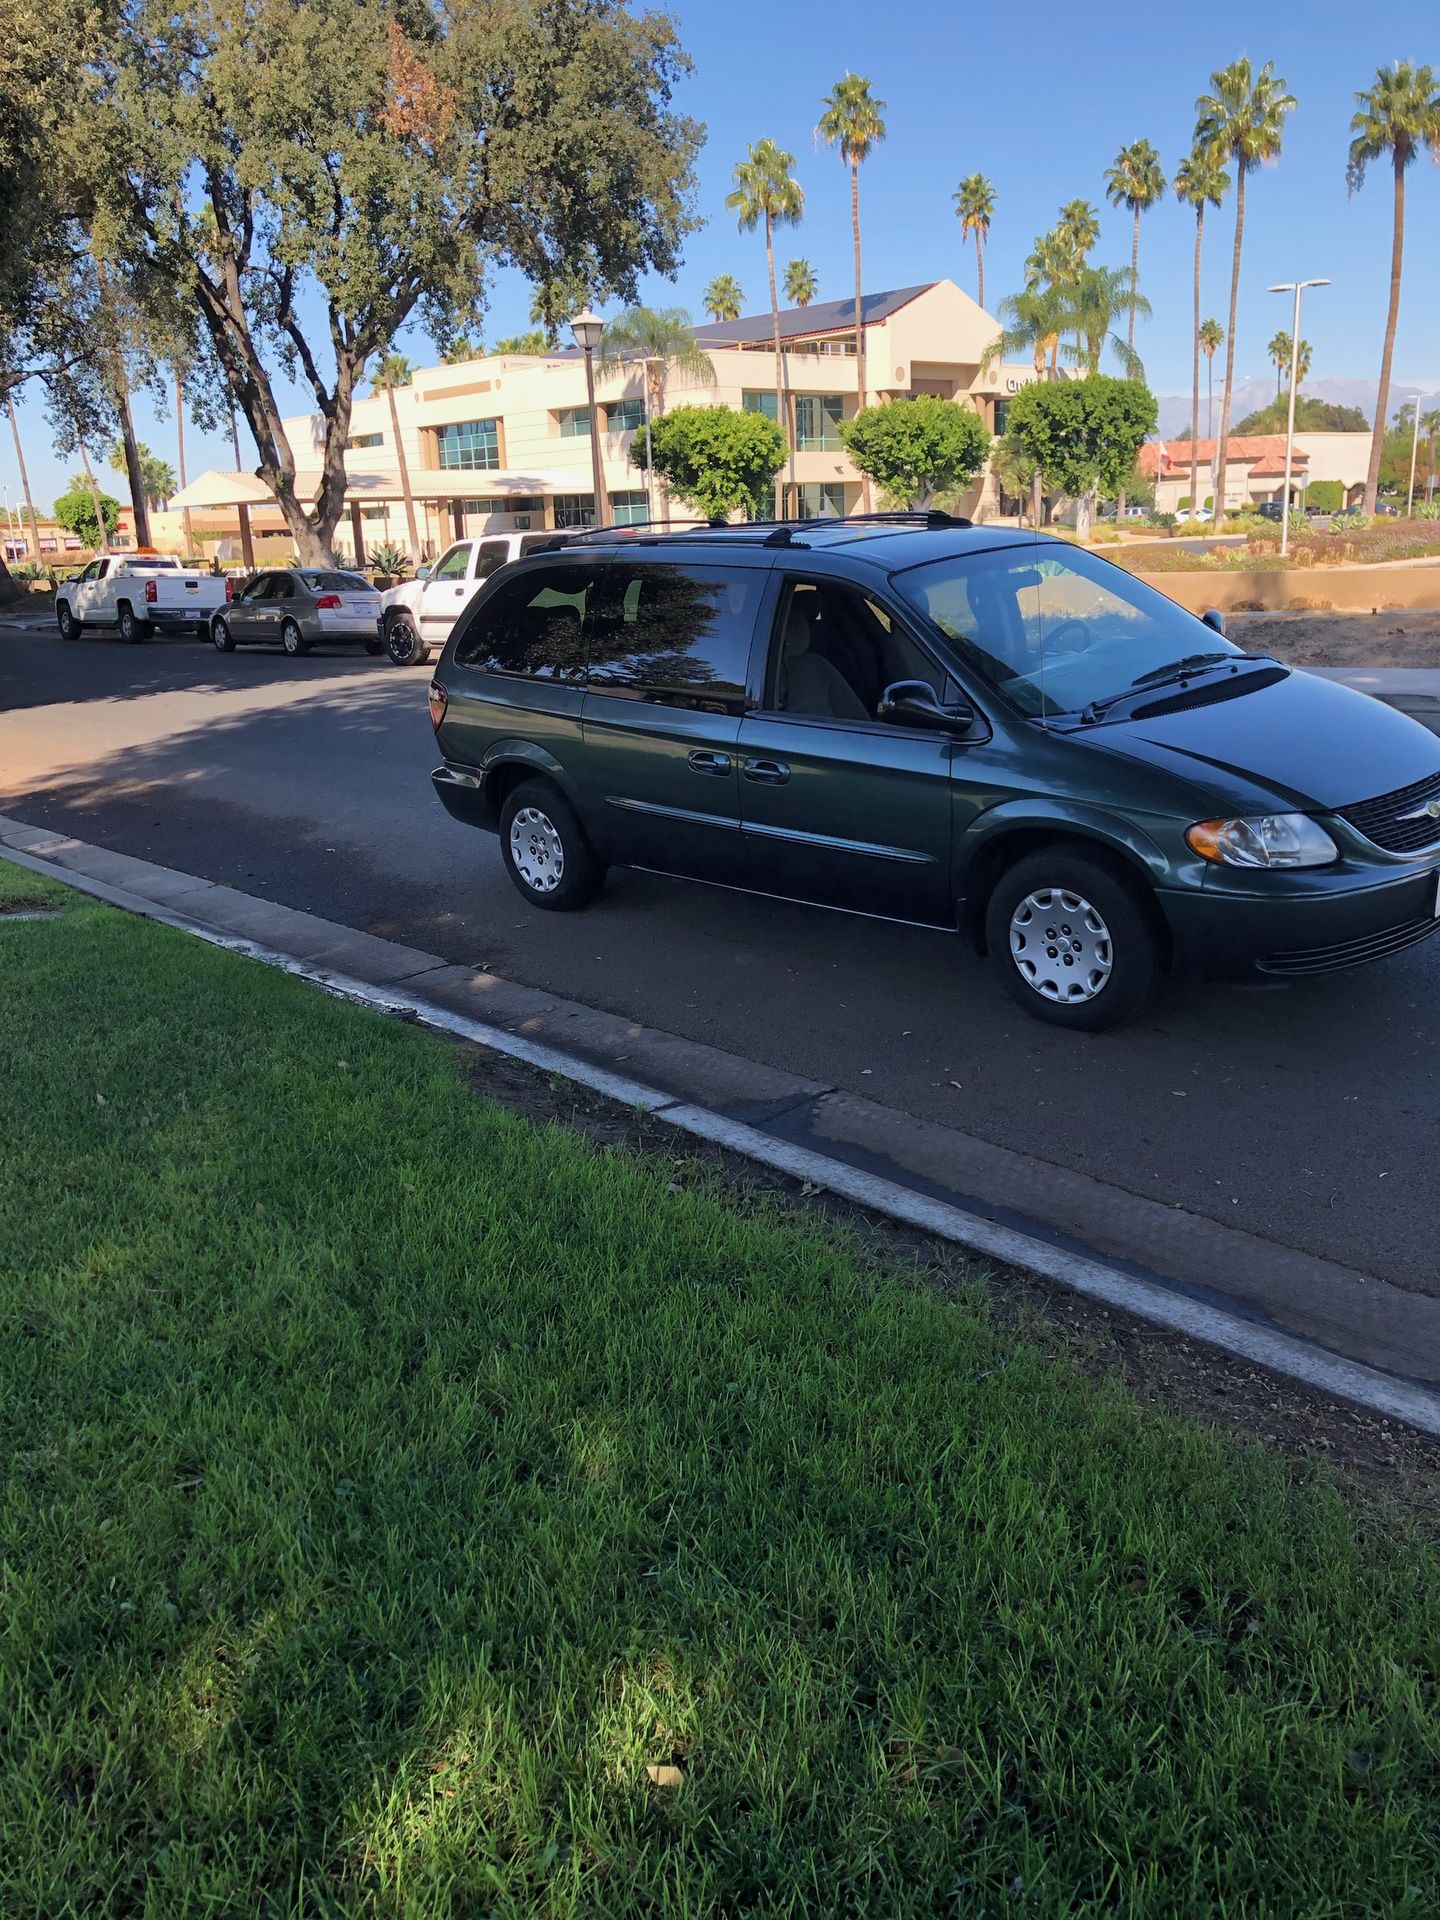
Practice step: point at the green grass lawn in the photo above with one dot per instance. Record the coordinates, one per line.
(390, 1484)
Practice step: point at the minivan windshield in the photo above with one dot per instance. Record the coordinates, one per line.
(1055, 629)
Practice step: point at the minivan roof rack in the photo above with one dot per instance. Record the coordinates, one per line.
(769, 533)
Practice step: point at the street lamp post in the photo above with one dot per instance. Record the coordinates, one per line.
(587, 328)
(1414, 450)
(1297, 287)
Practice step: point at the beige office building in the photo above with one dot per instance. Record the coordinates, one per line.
(505, 441)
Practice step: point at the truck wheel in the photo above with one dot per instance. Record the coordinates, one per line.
(403, 642)
(70, 627)
(293, 641)
(1074, 940)
(132, 631)
(377, 645)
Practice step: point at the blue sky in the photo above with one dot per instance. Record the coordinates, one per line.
(1040, 99)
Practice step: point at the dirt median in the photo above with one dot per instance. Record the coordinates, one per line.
(1315, 639)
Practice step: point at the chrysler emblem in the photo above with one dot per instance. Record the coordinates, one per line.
(1429, 811)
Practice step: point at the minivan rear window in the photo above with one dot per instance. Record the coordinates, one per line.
(676, 635)
(532, 624)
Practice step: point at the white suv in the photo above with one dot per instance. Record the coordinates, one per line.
(416, 617)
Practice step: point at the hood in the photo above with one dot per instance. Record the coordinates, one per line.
(1305, 741)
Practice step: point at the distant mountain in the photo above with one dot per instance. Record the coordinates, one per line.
(1251, 395)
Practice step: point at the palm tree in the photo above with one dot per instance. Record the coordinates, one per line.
(461, 349)
(395, 371)
(534, 342)
(1093, 303)
(1211, 336)
(32, 538)
(186, 526)
(723, 298)
(657, 339)
(1200, 183)
(852, 122)
(1136, 182)
(1053, 263)
(801, 285)
(1080, 226)
(1031, 322)
(1429, 424)
(974, 205)
(1241, 120)
(767, 192)
(1396, 116)
(1280, 350)
(157, 476)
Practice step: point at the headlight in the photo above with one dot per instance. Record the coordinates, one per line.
(1269, 840)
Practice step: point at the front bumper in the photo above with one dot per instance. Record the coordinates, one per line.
(1290, 925)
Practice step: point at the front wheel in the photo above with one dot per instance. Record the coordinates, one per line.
(403, 642)
(69, 626)
(220, 634)
(293, 641)
(545, 849)
(1074, 940)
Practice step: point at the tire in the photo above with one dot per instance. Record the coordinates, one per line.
(545, 849)
(377, 645)
(221, 636)
(70, 627)
(293, 640)
(1074, 939)
(132, 630)
(403, 643)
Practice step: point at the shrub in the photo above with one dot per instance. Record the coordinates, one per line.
(388, 558)
(1183, 502)
(1428, 510)
(1353, 520)
(1328, 495)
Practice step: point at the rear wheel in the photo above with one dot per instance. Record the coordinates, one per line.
(220, 634)
(1074, 940)
(132, 629)
(293, 641)
(377, 645)
(403, 642)
(69, 626)
(545, 849)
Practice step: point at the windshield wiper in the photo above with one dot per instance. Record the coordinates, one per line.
(1178, 671)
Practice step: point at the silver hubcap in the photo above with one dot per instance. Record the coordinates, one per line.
(1061, 945)
(537, 850)
(291, 639)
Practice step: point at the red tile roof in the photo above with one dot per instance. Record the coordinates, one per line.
(1263, 453)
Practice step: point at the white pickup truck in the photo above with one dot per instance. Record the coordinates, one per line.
(136, 593)
(416, 617)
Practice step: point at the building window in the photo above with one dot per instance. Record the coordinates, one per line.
(629, 509)
(574, 423)
(365, 440)
(574, 509)
(816, 418)
(625, 416)
(760, 403)
(1002, 417)
(372, 513)
(469, 445)
(821, 499)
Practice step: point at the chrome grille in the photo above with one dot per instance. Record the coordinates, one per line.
(1384, 822)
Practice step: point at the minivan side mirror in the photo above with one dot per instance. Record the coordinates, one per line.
(912, 703)
(1214, 618)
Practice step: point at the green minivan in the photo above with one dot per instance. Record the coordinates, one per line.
(969, 727)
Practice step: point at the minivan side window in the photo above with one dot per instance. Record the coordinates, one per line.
(678, 636)
(452, 565)
(835, 650)
(533, 625)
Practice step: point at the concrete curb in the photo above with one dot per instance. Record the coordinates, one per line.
(403, 981)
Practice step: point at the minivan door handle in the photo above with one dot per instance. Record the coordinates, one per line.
(769, 773)
(703, 762)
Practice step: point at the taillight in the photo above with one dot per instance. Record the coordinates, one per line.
(152, 592)
(328, 602)
(439, 701)
(229, 588)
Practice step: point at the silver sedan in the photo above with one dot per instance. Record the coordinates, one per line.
(297, 608)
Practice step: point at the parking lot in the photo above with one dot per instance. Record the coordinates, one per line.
(1304, 1114)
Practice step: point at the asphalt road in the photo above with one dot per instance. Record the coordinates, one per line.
(1309, 1113)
